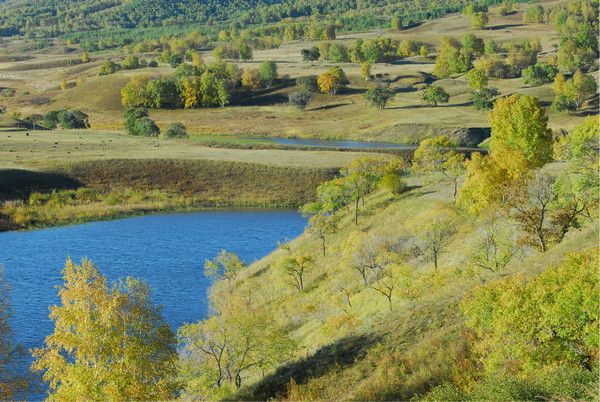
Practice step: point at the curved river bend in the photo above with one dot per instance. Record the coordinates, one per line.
(167, 251)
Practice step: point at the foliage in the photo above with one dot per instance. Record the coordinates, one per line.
(218, 353)
(435, 156)
(435, 94)
(538, 74)
(477, 79)
(570, 94)
(299, 99)
(226, 265)
(523, 326)
(176, 130)
(379, 96)
(310, 54)
(527, 131)
(109, 67)
(484, 98)
(451, 58)
(108, 342)
(308, 83)
(330, 81)
(137, 122)
(267, 71)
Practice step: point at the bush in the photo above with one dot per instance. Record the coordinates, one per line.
(137, 122)
(484, 98)
(308, 83)
(131, 62)
(73, 119)
(435, 95)
(176, 130)
(538, 74)
(109, 67)
(146, 127)
(311, 54)
(299, 99)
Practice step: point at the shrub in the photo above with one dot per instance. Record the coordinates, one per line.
(435, 95)
(146, 127)
(311, 54)
(267, 71)
(484, 98)
(109, 67)
(538, 74)
(299, 99)
(73, 119)
(176, 130)
(308, 83)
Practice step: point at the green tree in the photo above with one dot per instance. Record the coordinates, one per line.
(360, 178)
(267, 71)
(479, 20)
(226, 265)
(219, 352)
(109, 67)
(526, 325)
(379, 96)
(477, 79)
(519, 123)
(484, 98)
(296, 267)
(432, 234)
(435, 94)
(109, 343)
(436, 156)
(538, 74)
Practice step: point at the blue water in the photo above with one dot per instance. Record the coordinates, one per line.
(167, 251)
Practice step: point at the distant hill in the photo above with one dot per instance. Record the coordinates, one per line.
(53, 17)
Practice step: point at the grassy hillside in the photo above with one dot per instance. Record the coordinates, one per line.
(407, 118)
(352, 345)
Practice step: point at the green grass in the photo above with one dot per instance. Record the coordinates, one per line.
(366, 351)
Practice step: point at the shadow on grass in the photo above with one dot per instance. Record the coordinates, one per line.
(327, 107)
(427, 106)
(504, 26)
(335, 356)
(19, 183)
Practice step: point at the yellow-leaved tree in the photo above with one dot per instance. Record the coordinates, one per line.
(109, 342)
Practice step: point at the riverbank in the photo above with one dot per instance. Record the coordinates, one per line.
(69, 193)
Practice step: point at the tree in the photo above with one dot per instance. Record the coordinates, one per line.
(379, 96)
(310, 54)
(299, 99)
(525, 325)
(191, 92)
(226, 265)
(109, 343)
(477, 79)
(220, 351)
(484, 98)
(267, 71)
(332, 80)
(196, 59)
(580, 87)
(534, 14)
(365, 71)
(251, 79)
(393, 174)
(437, 156)
(131, 62)
(519, 123)
(479, 20)
(72, 119)
(432, 234)
(360, 178)
(308, 83)
(64, 85)
(85, 57)
(338, 53)
(424, 52)
(295, 267)
(146, 127)
(135, 93)
(322, 225)
(108, 67)
(434, 95)
(176, 130)
(163, 93)
(244, 50)
(538, 74)
(495, 245)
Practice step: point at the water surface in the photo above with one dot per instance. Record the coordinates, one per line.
(167, 251)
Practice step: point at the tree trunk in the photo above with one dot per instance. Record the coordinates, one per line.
(323, 244)
(356, 211)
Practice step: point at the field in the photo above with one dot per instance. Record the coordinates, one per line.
(406, 119)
